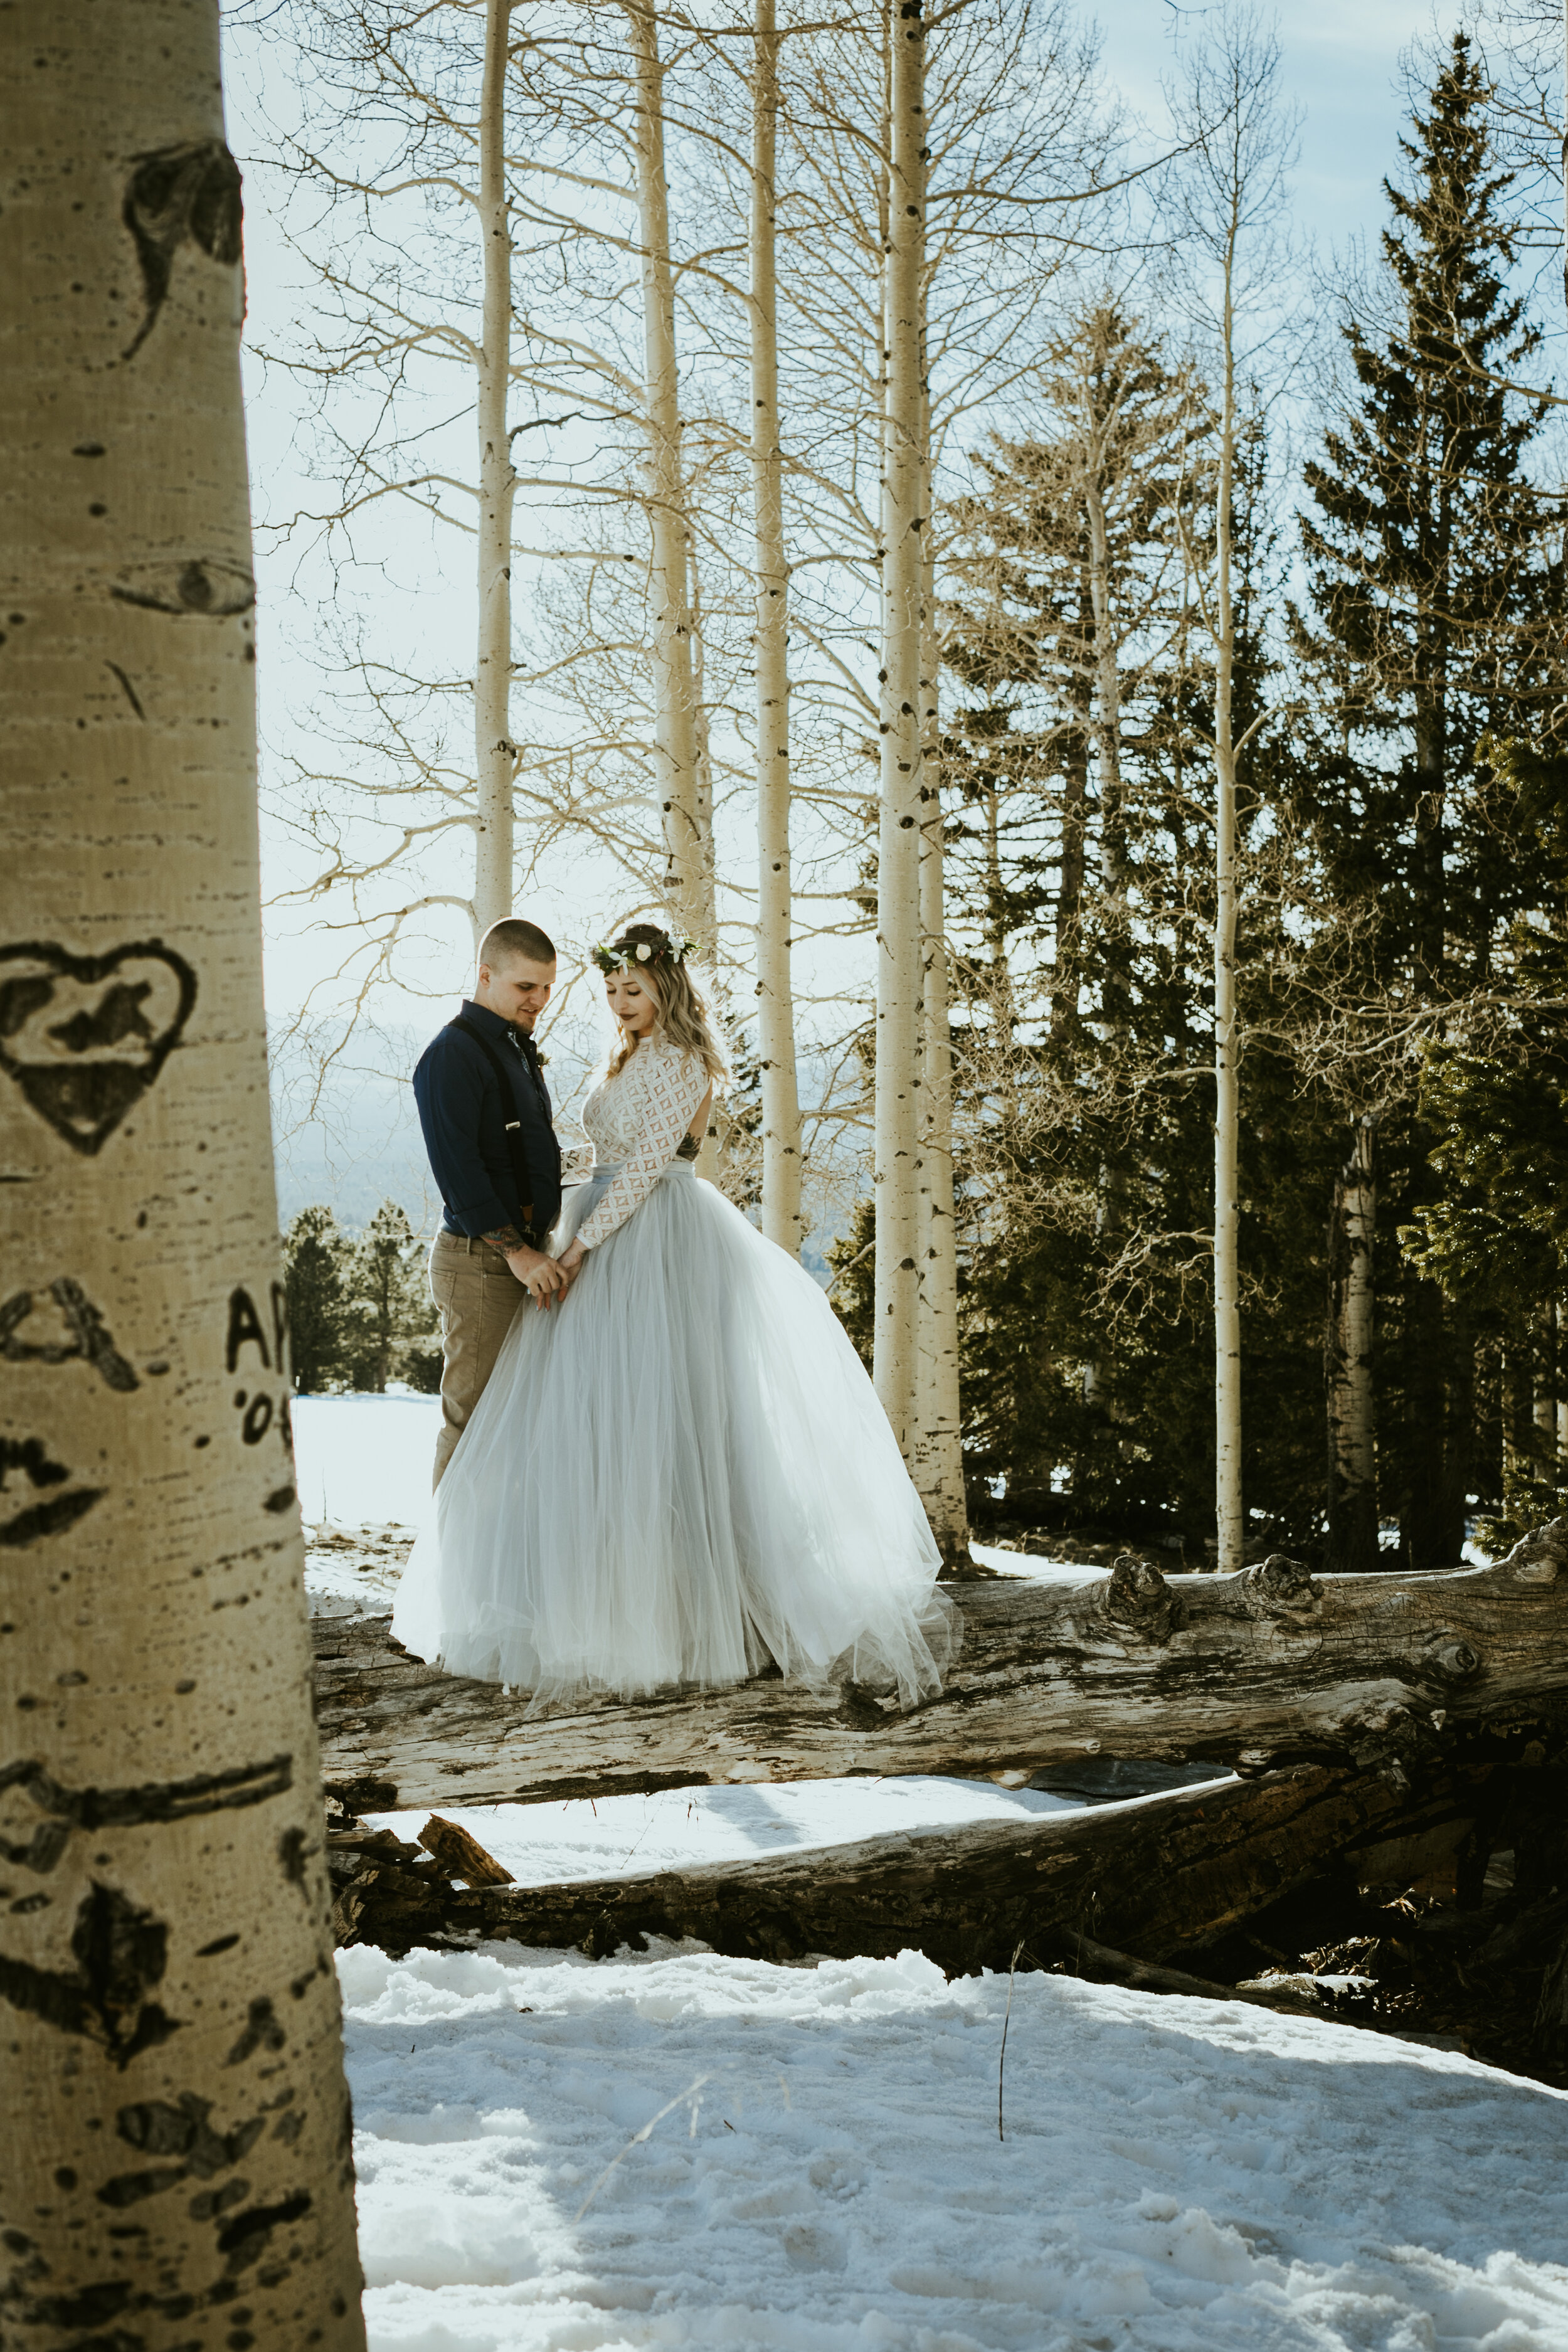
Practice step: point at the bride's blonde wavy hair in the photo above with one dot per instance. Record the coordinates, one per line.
(682, 1006)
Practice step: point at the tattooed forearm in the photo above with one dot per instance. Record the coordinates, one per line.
(506, 1238)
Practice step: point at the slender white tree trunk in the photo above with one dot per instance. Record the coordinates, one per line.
(1353, 1454)
(938, 1448)
(687, 851)
(1107, 653)
(1229, 1523)
(494, 757)
(776, 905)
(175, 2166)
(906, 511)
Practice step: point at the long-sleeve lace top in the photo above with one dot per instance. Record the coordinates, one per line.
(640, 1117)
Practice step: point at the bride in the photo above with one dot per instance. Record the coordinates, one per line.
(680, 1471)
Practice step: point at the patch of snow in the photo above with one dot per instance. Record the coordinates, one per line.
(365, 1461)
(826, 2176)
(1032, 1565)
(672, 1829)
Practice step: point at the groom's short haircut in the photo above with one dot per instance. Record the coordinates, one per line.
(505, 941)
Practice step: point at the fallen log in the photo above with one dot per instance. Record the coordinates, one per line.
(1243, 1671)
(1148, 1877)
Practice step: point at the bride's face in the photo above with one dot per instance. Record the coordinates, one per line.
(630, 1002)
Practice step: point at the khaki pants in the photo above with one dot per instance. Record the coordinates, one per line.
(477, 1296)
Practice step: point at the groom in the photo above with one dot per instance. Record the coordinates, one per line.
(485, 1110)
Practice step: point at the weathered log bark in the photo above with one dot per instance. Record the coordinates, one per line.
(1243, 1670)
(1149, 1878)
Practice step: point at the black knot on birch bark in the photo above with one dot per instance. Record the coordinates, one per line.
(1140, 1602)
(1539, 1557)
(1281, 1589)
(191, 191)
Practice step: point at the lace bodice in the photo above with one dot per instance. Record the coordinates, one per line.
(640, 1117)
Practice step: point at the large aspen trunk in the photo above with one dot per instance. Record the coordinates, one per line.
(493, 754)
(175, 2168)
(688, 849)
(1352, 1456)
(1229, 1525)
(1269, 1665)
(905, 518)
(775, 902)
(937, 1453)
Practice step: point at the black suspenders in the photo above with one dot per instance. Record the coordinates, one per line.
(513, 1126)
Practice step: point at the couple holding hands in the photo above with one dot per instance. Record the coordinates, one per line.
(661, 1464)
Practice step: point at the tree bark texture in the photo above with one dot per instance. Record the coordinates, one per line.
(937, 1451)
(1352, 1456)
(493, 754)
(688, 870)
(176, 2169)
(1266, 1666)
(905, 520)
(1149, 1877)
(775, 902)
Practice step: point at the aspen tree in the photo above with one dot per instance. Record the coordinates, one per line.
(493, 756)
(1229, 1523)
(1233, 189)
(937, 1447)
(905, 516)
(688, 867)
(175, 2169)
(775, 1001)
(1353, 1457)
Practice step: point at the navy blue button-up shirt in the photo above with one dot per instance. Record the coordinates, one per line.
(464, 1121)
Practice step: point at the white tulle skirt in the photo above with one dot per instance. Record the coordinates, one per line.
(675, 1478)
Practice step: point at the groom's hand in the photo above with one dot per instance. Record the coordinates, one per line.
(540, 1275)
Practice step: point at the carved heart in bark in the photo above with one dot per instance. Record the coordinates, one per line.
(85, 1037)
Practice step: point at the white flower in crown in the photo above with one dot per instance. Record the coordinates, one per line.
(643, 951)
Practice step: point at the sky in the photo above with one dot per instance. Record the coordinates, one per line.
(1341, 70)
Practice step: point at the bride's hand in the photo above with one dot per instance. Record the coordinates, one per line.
(572, 1260)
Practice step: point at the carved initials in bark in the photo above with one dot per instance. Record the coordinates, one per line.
(90, 1336)
(82, 1052)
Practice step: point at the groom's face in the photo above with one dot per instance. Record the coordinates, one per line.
(518, 990)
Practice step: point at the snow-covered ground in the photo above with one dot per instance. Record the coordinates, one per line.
(365, 1461)
(676, 2150)
(824, 2174)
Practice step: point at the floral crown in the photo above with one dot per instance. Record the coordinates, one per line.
(633, 955)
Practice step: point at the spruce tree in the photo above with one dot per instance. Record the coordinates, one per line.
(316, 1255)
(1086, 1077)
(1435, 593)
(389, 1300)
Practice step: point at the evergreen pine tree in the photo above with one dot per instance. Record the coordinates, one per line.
(1086, 1077)
(316, 1255)
(1434, 592)
(388, 1303)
